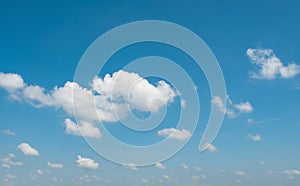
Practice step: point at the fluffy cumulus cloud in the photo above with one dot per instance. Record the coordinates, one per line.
(254, 137)
(86, 163)
(83, 129)
(270, 66)
(176, 134)
(26, 149)
(8, 161)
(98, 102)
(232, 109)
(55, 165)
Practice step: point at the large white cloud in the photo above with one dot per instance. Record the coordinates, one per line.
(86, 163)
(83, 129)
(94, 103)
(26, 149)
(270, 66)
(173, 133)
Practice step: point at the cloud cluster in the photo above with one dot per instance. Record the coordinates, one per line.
(99, 102)
(8, 161)
(232, 110)
(270, 66)
(55, 165)
(86, 163)
(177, 134)
(26, 149)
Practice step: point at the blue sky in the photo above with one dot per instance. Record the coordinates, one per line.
(256, 44)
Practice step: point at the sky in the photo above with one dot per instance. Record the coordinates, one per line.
(54, 129)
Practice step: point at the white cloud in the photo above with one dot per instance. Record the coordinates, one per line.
(292, 173)
(8, 161)
(8, 132)
(40, 172)
(210, 147)
(198, 177)
(183, 103)
(270, 66)
(232, 110)
(241, 173)
(99, 102)
(88, 178)
(135, 90)
(26, 149)
(131, 166)
(185, 166)
(159, 165)
(9, 176)
(11, 82)
(55, 165)
(175, 133)
(86, 129)
(86, 163)
(145, 181)
(254, 137)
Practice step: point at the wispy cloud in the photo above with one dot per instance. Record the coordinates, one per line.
(177, 134)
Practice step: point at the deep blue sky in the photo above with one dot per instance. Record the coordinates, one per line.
(44, 41)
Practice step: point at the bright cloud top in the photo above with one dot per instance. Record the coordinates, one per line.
(8, 161)
(177, 134)
(26, 149)
(99, 102)
(86, 163)
(270, 66)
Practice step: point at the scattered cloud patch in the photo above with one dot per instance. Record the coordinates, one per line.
(254, 137)
(184, 166)
(270, 66)
(8, 161)
(55, 165)
(86, 163)
(131, 166)
(11, 81)
(241, 173)
(210, 147)
(232, 110)
(292, 173)
(26, 149)
(177, 134)
(159, 165)
(8, 132)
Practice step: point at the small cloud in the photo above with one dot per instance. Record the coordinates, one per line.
(26, 149)
(255, 137)
(131, 166)
(198, 177)
(88, 178)
(145, 181)
(40, 172)
(177, 134)
(8, 132)
(159, 165)
(210, 147)
(270, 66)
(241, 173)
(55, 165)
(183, 103)
(86, 163)
(185, 166)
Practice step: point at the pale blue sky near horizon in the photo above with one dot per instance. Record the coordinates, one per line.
(257, 145)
